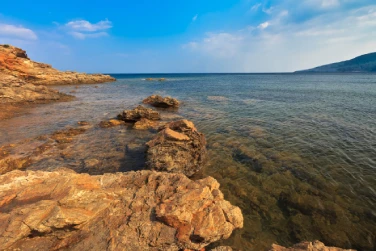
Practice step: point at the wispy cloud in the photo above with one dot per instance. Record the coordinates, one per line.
(195, 18)
(283, 44)
(83, 25)
(82, 29)
(80, 35)
(19, 32)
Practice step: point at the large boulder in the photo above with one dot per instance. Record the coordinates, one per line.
(308, 246)
(177, 148)
(159, 101)
(139, 113)
(144, 210)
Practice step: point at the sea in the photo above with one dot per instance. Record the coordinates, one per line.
(296, 152)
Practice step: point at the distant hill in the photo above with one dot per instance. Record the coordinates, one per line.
(364, 63)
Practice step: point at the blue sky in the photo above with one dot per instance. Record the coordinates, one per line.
(189, 36)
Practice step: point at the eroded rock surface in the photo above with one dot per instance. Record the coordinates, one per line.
(145, 210)
(139, 113)
(308, 246)
(14, 90)
(159, 101)
(177, 148)
(15, 62)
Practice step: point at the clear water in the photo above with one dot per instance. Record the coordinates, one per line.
(296, 152)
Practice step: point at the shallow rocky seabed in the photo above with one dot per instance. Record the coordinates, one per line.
(287, 172)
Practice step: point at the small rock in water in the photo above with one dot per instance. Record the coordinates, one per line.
(145, 124)
(159, 101)
(138, 113)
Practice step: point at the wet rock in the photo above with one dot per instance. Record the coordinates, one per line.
(125, 211)
(221, 248)
(83, 123)
(161, 79)
(13, 90)
(138, 113)
(145, 124)
(177, 148)
(308, 246)
(159, 101)
(15, 62)
(110, 123)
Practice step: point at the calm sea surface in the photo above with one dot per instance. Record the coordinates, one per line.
(297, 153)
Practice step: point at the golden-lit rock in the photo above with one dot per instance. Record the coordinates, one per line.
(142, 210)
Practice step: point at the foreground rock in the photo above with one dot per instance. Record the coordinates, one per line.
(139, 113)
(308, 246)
(125, 211)
(13, 90)
(15, 62)
(177, 148)
(159, 101)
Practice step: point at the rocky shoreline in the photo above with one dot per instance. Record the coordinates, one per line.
(159, 208)
(23, 81)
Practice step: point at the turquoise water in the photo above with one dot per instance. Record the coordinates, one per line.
(296, 152)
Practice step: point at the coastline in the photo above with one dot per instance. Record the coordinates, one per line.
(65, 140)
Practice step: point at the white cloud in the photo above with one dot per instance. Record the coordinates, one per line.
(287, 45)
(195, 18)
(82, 29)
(19, 32)
(83, 25)
(263, 26)
(82, 36)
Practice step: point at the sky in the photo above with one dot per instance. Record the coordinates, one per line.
(181, 36)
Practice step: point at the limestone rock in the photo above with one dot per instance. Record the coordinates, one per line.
(159, 101)
(308, 246)
(138, 113)
(14, 90)
(15, 62)
(145, 124)
(177, 148)
(142, 210)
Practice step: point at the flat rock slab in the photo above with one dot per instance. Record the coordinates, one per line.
(144, 210)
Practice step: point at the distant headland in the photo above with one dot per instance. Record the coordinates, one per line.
(363, 63)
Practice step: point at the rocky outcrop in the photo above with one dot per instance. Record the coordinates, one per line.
(308, 246)
(159, 101)
(13, 90)
(139, 113)
(144, 210)
(15, 62)
(177, 148)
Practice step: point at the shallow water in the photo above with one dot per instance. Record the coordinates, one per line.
(296, 152)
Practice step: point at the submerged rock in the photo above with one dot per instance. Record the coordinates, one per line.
(308, 246)
(125, 211)
(110, 123)
(159, 101)
(145, 124)
(138, 113)
(177, 148)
